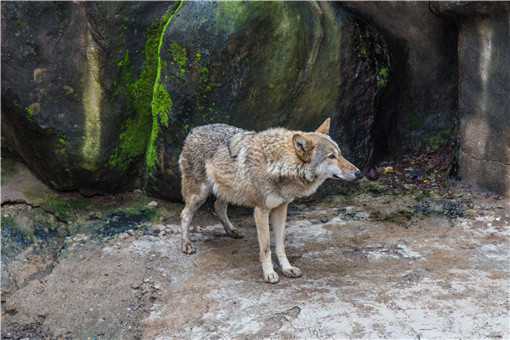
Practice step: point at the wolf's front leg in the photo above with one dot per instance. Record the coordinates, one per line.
(262, 221)
(278, 219)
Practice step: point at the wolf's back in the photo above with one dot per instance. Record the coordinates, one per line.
(201, 144)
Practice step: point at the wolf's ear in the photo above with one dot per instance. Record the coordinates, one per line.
(324, 128)
(303, 147)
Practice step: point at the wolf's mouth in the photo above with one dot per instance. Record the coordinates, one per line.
(336, 177)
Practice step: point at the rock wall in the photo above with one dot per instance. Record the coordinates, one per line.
(259, 65)
(450, 82)
(98, 97)
(65, 109)
(418, 109)
(484, 92)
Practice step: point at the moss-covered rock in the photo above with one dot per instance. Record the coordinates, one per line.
(99, 96)
(77, 89)
(261, 64)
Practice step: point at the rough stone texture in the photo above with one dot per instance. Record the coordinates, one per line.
(257, 65)
(418, 109)
(20, 185)
(63, 109)
(458, 10)
(94, 93)
(484, 92)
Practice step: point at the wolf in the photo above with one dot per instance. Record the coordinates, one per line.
(264, 170)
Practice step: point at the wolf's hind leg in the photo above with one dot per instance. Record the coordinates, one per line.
(220, 206)
(193, 202)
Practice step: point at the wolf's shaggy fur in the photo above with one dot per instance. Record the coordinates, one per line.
(265, 170)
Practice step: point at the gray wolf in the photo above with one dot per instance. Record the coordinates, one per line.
(264, 170)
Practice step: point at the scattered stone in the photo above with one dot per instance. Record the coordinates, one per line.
(93, 216)
(152, 204)
(68, 90)
(415, 174)
(324, 219)
(10, 308)
(388, 170)
(157, 228)
(453, 209)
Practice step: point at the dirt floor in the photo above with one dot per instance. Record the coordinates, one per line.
(380, 260)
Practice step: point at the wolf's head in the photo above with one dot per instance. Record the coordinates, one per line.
(323, 155)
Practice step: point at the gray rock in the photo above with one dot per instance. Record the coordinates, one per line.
(484, 92)
(257, 65)
(80, 79)
(66, 110)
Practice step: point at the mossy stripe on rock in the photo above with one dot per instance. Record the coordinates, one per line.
(161, 101)
(148, 99)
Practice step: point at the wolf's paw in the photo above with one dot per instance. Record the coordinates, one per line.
(234, 233)
(187, 248)
(271, 277)
(292, 272)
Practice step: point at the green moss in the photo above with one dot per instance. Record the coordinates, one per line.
(146, 96)
(161, 102)
(61, 145)
(198, 57)
(134, 137)
(132, 142)
(180, 57)
(124, 61)
(30, 112)
(383, 75)
(364, 52)
(65, 209)
(32, 109)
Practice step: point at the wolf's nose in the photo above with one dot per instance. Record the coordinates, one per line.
(358, 174)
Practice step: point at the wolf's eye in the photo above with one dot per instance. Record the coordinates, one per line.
(332, 156)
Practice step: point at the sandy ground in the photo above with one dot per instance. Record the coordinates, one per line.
(376, 265)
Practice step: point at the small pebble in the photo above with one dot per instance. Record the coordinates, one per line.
(152, 204)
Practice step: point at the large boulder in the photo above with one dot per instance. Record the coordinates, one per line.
(99, 96)
(484, 92)
(261, 64)
(68, 108)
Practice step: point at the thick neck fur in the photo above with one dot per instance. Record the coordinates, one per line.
(283, 161)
